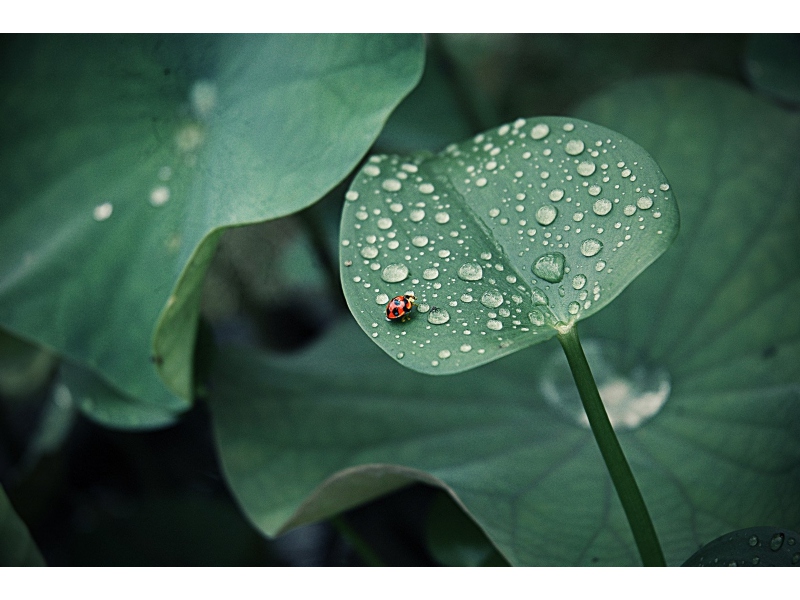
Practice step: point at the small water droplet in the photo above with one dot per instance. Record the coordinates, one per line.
(159, 195)
(644, 202)
(796, 558)
(466, 298)
(540, 131)
(776, 542)
(602, 207)
(546, 214)
(372, 170)
(102, 211)
(538, 296)
(425, 188)
(494, 324)
(465, 348)
(369, 252)
(591, 246)
(664, 187)
(351, 195)
(391, 185)
(381, 299)
(417, 215)
(586, 168)
(384, 223)
(438, 316)
(430, 273)
(573, 308)
(470, 272)
(441, 218)
(753, 541)
(549, 267)
(594, 190)
(444, 354)
(574, 147)
(556, 195)
(601, 264)
(536, 317)
(480, 182)
(394, 273)
(579, 281)
(420, 241)
(492, 299)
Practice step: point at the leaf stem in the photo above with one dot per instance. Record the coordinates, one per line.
(628, 491)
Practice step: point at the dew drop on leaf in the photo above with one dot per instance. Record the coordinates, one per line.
(538, 296)
(438, 316)
(644, 202)
(602, 207)
(494, 324)
(420, 241)
(540, 131)
(549, 267)
(579, 281)
(591, 246)
(394, 273)
(470, 272)
(586, 168)
(536, 317)
(546, 214)
(574, 147)
(492, 299)
(776, 542)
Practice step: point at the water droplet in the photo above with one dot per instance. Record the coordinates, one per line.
(574, 147)
(362, 215)
(425, 188)
(540, 131)
(417, 215)
(441, 218)
(391, 185)
(644, 202)
(381, 299)
(796, 558)
(423, 307)
(444, 354)
(465, 348)
(594, 190)
(102, 211)
(579, 281)
(394, 273)
(420, 241)
(430, 273)
(601, 264)
(351, 195)
(538, 296)
(536, 317)
(591, 246)
(494, 324)
(577, 217)
(470, 272)
(549, 267)
(492, 299)
(586, 168)
(776, 542)
(546, 214)
(753, 541)
(568, 126)
(372, 170)
(159, 195)
(466, 298)
(369, 252)
(384, 223)
(438, 316)
(602, 207)
(481, 182)
(664, 187)
(573, 308)
(556, 195)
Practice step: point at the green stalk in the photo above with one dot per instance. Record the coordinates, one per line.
(628, 491)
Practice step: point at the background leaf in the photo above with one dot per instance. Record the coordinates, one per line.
(123, 157)
(540, 222)
(17, 548)
(751, 547)
(715, 314)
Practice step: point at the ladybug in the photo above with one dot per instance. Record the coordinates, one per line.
(400, 306)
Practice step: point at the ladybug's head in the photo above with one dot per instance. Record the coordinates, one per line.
(410, 297)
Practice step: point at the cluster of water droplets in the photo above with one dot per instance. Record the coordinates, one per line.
(557, 205)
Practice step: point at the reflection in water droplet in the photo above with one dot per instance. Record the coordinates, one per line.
(492, 299)
(536, 317)
(394, 273)
(420, 241)
(574, 147)
(540, 131)
(602, 207)
(591, 246)
(546, 214)
(369, 252)
(438, 316)
(629, 398)
(470, 272)
(776, 542)
(549, 267)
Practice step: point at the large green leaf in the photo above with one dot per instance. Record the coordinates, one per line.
(17, 548)
(751, 547)
(697, 361)
(122, 158)
(525, 228)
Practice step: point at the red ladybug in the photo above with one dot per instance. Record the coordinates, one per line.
(400, 306)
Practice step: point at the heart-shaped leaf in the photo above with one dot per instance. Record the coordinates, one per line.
(530, 226)
(17, 548)
(122, 157)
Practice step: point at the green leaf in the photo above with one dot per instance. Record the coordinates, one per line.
(123, 158)
(751, 547)
(24, 367)
(503, 238)
(773, 65)
(714, 320)
(17, 548)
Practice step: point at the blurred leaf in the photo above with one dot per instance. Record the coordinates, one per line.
(751, 547)
(17, 548)
(501, 238)
(24, 367)
(124, 157)
(716, 314)
(773, 65)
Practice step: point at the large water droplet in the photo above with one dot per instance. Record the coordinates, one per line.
(391, 185)
(644, 202)
(630, 398)
(579, 281)
(470, 272)
(591, 246)
(602, 207)
(586, 168)
(426, 188)
(574, 147)
(394, 273)
(540, 131)
(438, 316)
(536, 317)
(549, 267)
(384, 223)
(492, 299)
(546, 214)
